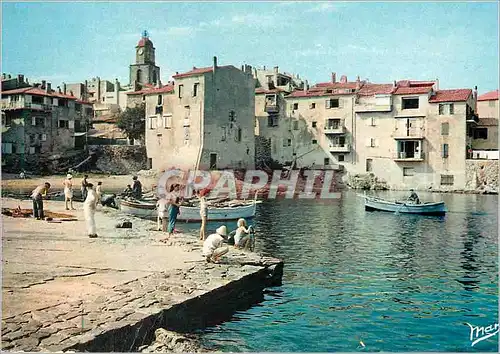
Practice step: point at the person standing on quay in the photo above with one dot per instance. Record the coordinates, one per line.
(98, 191)
(173, 212)
(37, 196)
(68, 191)
(89, 206)
(85, 183)
(203, 214)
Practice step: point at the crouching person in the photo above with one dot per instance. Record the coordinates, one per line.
(212, 247)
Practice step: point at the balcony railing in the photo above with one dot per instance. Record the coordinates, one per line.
(405, 156)
(372, 108)
(472, 118)
(405, 133)
(21, 104)
(272, 108)
(340, 147)
(334, 129)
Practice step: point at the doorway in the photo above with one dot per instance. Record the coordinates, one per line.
(213, 161)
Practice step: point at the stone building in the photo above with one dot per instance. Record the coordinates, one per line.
(144, 71)
(204, 120)
(485, 134)
(38, 121)
(408, 133)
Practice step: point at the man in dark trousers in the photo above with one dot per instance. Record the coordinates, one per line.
(137, 188)
(413, 197)
(85, 183)
(37, 196)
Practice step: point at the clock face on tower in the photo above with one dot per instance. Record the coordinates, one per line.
(140, 51)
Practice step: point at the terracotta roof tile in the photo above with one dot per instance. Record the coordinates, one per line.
(143, 41)
(262, 90)
(489, 96)
(412, 90)
(351, 85)
(370, 89)
(38, 92)
(316, 93)
(458, 95)
(148, 91)
(198, 71)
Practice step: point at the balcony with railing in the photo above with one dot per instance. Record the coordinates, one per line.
(408, 133)
(402, 156)
(339, 147)
(271, 105)
(335, 128)
(22, 105)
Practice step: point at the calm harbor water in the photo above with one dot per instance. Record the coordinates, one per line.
(394, 282)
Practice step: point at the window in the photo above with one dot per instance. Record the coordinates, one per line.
(312, 105)
(444, 152)
(481, 133)
(369, 165)
(181, 90)
(314, 142)
(295, 125)
(195, 89)
(447, 180)
(37, 99)
(159, 109)
(332, 103)
(289, 142)
(408, 171)
(32, 150)
(445, 128)
(441, 109)
(491, 103)
(451, 108)
(314, 124)
(409, 103)
(223, 137)
(64, 124)
(160, 100)
(167, 121)
(341, 158)
(43, 137)
(284, 142)
(326, 161)
(372, 142)
(152, 122)
(238, 135)
(333, 123)
(272, 120)
(6, 148)
(295, 106)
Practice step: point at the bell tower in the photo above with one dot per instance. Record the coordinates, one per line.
(144, 71)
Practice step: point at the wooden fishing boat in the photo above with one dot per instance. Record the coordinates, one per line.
(374, 203)
(229, 211)
(138, 208)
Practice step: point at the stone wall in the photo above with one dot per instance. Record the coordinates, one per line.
(262, 152)
(482, 175)
(118, 159)
(365, 181)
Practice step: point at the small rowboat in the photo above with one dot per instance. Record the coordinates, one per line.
(374, 203)
(148, 210)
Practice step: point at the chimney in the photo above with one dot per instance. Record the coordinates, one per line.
(357, 79)
(48, 89)
(394, 84)
(43, 84)
(264, 67)
(59, 89)
(71, 93)
(474, 96)
(276, 69)
(437, 84)
(4, 76)
(215, 63)
(334, 77)
(64, 87)
(306, 84)
(20, 79)
(343, 79)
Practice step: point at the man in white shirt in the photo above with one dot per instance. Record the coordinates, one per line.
(212, 247)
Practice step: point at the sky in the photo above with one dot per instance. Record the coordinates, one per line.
(456, 42)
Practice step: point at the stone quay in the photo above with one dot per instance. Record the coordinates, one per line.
(63, 291)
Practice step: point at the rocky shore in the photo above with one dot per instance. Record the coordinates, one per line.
(124, 291)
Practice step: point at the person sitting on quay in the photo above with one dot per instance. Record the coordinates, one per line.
(213, 248)
(109, 200)
(98, 192)
(127, 192)
(242, 229)
(413, 198)
(37, 196)
(136, 188)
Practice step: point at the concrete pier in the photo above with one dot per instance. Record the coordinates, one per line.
(63, 291)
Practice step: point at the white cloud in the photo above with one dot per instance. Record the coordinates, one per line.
(324, 7)
(180, 31)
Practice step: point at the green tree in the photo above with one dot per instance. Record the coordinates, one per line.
(132, 121)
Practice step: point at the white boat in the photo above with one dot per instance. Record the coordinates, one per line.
(374, 203)
(138, 208)
(238, 210)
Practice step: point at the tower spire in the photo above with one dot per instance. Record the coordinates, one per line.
(145, 34)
